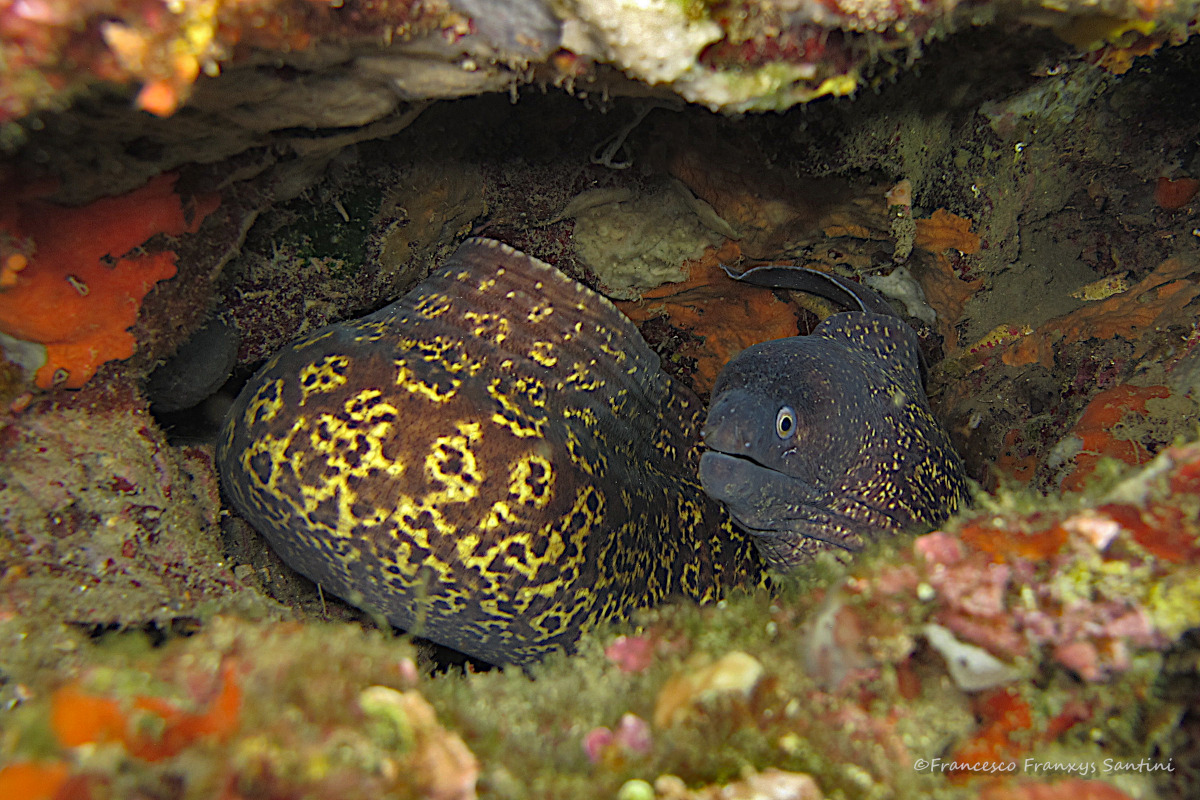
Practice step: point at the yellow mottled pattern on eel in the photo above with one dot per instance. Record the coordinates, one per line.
(495, 461)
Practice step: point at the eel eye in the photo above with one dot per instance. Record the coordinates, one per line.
(785, 422)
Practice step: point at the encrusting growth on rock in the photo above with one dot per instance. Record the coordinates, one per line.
(75, 287)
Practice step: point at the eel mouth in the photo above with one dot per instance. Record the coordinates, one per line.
(773, 505)
(763, 501)
(738, 457)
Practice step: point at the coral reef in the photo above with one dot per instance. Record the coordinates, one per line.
(54, 50)
(948, 237)
(1037, 188)
(1175, 193)
(1104, 430)
(1157, 301)
(642, 242)
(211, 724)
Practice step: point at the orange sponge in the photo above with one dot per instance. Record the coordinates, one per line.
(1099, 433)
(945, 231)
(729, 315)
(81, 287)
(80, 718)
(33, 780)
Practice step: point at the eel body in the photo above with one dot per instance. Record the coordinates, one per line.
(827, 439)
(496, 461)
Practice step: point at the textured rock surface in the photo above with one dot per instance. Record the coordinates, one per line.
(357, 61)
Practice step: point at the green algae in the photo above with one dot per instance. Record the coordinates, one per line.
(337, 226)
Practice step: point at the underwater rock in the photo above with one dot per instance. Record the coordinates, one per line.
(404, 720)
(733, 673)
(197, 370)
(85, 274)
(657, 41)
(641, 243)
(525, 27)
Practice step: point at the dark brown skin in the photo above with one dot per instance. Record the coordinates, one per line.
(495, 461)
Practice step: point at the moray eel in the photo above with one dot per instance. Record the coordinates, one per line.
(496, 461)
(827, 440)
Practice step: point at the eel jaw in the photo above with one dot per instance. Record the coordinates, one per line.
(779, 510)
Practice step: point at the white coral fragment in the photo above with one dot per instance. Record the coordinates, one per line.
(972, 668)
(901, 286)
